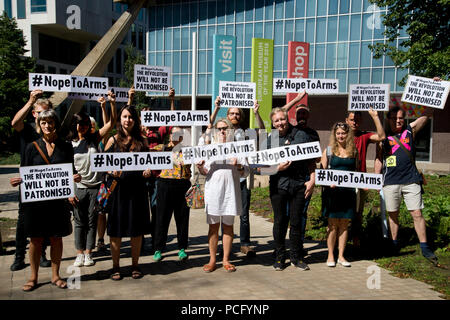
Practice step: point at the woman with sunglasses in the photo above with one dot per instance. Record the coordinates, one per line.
(222, 197)
(85, 141)
(339, 204)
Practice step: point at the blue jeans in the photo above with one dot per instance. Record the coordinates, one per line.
(244, 232)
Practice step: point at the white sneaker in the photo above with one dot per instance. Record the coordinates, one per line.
(88, 260)
(344, 263)
(79, 260)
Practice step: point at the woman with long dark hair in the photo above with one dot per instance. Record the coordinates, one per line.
(129, 211)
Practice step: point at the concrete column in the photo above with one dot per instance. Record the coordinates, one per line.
(96, 62)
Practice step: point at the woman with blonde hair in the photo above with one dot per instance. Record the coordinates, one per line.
(338, 203)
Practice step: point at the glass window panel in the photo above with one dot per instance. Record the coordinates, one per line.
(239, 54)
(319, 74)
(184, 62)
(229, 9)
(37, 5)
(342, 77)
(176, 15)
(356, 5)
(247, 59)
(247, 77)
(279, 9)
(342, 55)
(278, 58)
(211, 31)
(344, 6)
(268, 9)
(355, 27)
(249, 10)
(168, 59)
(211, 12)
(321, 29)
(333, 7)
(311, 54)
(364, 76)
(258, 32)
(285, 58)
(278, 32)
(288, 31)
(353, 77)
(21, 11)
(403, 32)
(220, 30)
(389, 77)
(209, 60)
(239, 35)
(208, 83)
(320, 56)
(332, 29)
(201, 84)
(168, 16)
(184, 38)
(367, 26)
(259, 10)
(202, 37)
(239, 77)
(185, 84)
(310, 8)
(300, 9)
(159, 39)
(388, 61)
(248, 34)
(366, 54)
(400, 75)
(151, 59)
(193, 13)
(151, 40)
(367, 4)
(353, 57)
(322, 7)
(176, 38)
(184, 13)
(278, 74)
(268, 28)
(377, 75)
(159, 58)
(230, 29)
(331, 56)
(289, 9)
(330, 74)
(176, 62)
(239, 11)
(299, 30)
(343, 28)
(310, 30)
(201, 60)
(378, 31)
(168, 39)
(176, 82)
(152, 19)
(202, 13)
(377, 62)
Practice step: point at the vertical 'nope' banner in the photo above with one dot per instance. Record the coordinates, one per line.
(262, 75)
(224, 66)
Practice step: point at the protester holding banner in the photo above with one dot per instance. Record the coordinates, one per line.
(339, 203)
(401, 177)
(289, 186)
(128, 214)
(27, 133)
(172, 187)
(362, 141)
(222, 197)
(47, 218)
(85, 143)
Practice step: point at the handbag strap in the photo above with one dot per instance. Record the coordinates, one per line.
(41, 152)
(401, 145)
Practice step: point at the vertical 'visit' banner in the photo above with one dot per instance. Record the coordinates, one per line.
(224, 66)
(262, 75)
(298, 67)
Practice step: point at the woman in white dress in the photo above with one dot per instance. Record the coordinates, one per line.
(222, 197)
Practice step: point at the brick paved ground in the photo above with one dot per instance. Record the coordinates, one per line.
(255, 278)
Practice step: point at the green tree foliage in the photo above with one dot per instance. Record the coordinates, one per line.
(426, 53)
(14, 69)
(133, 56)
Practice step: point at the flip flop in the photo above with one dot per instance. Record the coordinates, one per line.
(209, 268)
(60, 283)
(229, 267)
(116, 275)
(30, 286)
(136, 273)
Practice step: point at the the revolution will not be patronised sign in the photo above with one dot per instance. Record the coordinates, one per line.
(311, 86)
(152, 78)
(67, 83)
(364, 96)
(286, 153)
(46, 182)
(120, 93)
(175, 118)
(131, 161)
(219, 151)
(237, 94)
(426, 92)
(349, 179)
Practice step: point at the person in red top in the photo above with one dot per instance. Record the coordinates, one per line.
(362, 141)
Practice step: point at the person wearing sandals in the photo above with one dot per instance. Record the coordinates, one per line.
(128, 207)
(222, 197)
(339, 203)
(172, 187)
(47, 218)
(85, 142)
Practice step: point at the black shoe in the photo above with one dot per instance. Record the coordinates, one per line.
(279, 265)
(18, 264)
(44, 263)
(430, 256)
(300, 265)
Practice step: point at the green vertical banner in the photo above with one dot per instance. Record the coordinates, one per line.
(262, 75)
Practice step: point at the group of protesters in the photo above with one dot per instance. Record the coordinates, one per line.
(143, 202)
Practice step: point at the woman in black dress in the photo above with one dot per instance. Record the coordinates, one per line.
(48, 218)
(129, 212)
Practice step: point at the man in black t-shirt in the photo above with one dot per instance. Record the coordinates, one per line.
(27, 133)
